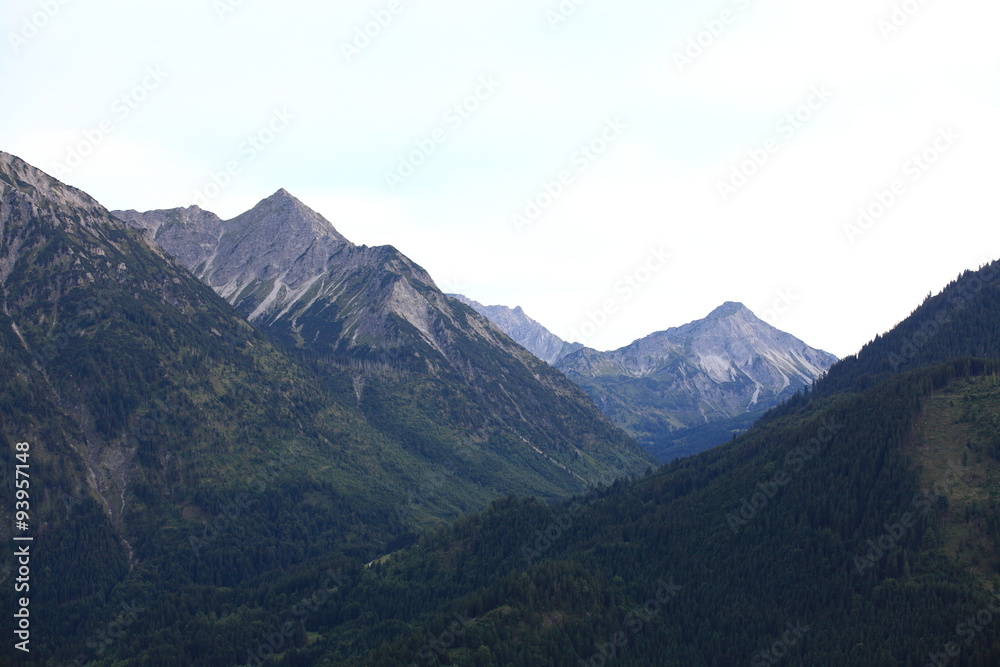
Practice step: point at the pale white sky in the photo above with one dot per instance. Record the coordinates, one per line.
(149, 104)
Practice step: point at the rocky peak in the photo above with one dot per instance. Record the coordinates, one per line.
(728, 320)
(281, 264)
(727, 365)
(730, 309)
(731, 341)
(284, 216)
(263, 259)
(41, 190)
(33, 204)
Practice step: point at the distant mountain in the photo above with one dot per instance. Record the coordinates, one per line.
(525, 331)
(689, 388)
(420, 365)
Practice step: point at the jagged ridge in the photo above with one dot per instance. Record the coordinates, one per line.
(525, 331)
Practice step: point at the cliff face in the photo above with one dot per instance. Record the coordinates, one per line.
(726, 366)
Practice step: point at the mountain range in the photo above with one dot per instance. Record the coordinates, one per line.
(683, 390)
(252, 442)
(178, 446)
(415, 357)
(855, 524)
(287, 270)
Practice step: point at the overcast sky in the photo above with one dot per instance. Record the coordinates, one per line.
(614, 167)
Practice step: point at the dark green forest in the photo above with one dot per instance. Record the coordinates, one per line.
(678, 567)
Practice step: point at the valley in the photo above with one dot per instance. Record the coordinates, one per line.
(259, 444)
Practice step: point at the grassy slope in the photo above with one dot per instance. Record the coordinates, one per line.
(958, 445)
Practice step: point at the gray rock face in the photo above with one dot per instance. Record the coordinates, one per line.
(525, 331)
(191, 234)
(280, 262)
(285, 267)
(44, 191)
(280, 242)
(728, 365)
(374, 311)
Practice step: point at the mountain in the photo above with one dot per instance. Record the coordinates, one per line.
(689, 388)
(528, 333)
(960, 321)
(271, 263)
(287, 270)
(172, 446)
(420, 365)
(206, 492)
(855, 525)
(179, 454)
